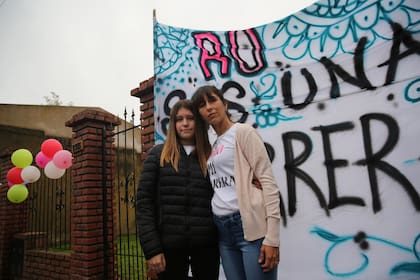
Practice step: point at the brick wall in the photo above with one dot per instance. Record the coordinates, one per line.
(147, 122)
(13, 217)
(92, 196)
(41, 264)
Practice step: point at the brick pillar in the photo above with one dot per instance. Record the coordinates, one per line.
(93, 172)
(147, 121)
(13, 216)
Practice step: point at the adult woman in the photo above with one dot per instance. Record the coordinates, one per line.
(173, 213)
(247, 215)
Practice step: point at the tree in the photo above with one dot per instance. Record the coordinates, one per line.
(54, 99)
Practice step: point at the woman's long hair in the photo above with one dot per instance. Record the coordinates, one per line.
(171, 148)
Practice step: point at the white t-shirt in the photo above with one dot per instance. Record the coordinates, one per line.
(220, 166)
(188, 149)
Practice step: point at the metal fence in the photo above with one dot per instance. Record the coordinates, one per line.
(130, 258)
(49, 210)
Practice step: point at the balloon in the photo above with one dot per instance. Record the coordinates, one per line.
(52, 171)
(50, 146)
(22, 158)
(13, 175)
(42, 160)
(62, 159)
(30, 174)
(17, 194)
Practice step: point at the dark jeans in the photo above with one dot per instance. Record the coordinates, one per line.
(205, 264)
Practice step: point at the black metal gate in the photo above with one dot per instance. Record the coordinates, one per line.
(49, 210)
(129, 256)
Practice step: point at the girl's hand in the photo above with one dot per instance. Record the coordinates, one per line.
(256, 183)
(156, 264)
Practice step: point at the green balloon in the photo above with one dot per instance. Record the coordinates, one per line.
(17, 193)
(22, 158)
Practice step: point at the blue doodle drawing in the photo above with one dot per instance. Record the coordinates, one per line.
(412, 91)
(158, 137)
(362, 239)
(265, 114)
(268, 93)
(411, 161)
(170, 46)
(327, 27)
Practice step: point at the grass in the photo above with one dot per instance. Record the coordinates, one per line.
(59, 250)
(130, 258)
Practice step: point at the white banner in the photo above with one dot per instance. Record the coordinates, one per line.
(334, 91)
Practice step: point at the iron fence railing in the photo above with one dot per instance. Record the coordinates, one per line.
(49, 210)
(130, 257)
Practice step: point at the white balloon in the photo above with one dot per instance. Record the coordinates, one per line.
(52, 171)
(30, 174)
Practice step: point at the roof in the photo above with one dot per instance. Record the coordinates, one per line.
(51, 119)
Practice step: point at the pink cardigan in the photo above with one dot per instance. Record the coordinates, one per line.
(260, 209)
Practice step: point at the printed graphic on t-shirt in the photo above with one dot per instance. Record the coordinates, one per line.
(220, 166)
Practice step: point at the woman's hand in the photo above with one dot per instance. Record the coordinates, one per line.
(156, 264)
(269, 257)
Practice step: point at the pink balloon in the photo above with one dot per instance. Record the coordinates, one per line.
(41, 159)
(63, 159)
(50, 146)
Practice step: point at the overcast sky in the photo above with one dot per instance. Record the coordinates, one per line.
(93, 52)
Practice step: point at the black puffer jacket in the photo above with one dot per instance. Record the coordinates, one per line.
(174, 209)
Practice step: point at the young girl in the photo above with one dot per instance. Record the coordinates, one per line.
(247, 215)
(173, 213)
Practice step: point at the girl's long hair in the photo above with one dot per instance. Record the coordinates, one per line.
(171, 148)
